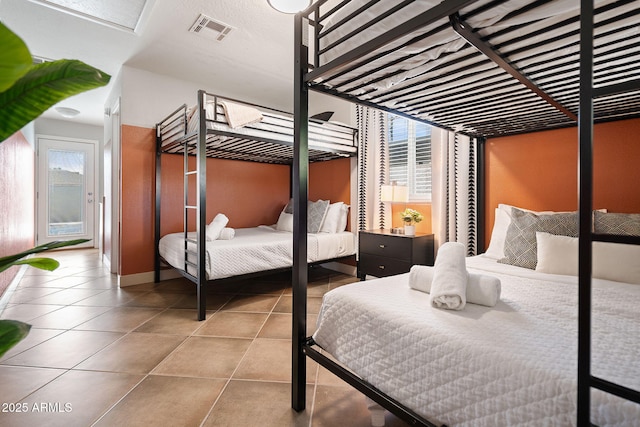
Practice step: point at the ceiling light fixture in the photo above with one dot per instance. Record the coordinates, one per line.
(289, 6)
(67, 112)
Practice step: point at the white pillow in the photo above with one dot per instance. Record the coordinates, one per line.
(344, 216)
(499, 233)
(332, 218)
(611, 261)
(285, 222)
(215, 227)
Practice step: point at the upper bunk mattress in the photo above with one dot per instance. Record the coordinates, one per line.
(256, 249)
(514, 364)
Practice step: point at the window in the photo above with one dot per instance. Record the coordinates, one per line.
(410, 156)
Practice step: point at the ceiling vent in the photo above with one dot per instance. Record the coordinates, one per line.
(211, 28)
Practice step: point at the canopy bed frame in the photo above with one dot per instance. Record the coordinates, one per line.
(483, 69)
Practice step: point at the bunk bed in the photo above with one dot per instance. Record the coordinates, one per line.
(226, 128)
(484, 69)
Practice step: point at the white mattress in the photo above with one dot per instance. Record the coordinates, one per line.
(510, 365)
(324, 136)
(255, 249)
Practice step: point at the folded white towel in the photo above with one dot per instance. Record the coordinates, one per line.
(481, 289)
(215, 227)
(227, 234)
(240, 115)
(450, 277)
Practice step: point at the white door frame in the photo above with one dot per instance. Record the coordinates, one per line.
(112, 179)
(94, 204)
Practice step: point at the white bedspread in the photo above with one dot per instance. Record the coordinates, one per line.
(255, 249)
(510, 365)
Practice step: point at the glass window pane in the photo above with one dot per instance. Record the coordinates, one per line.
(66, 196)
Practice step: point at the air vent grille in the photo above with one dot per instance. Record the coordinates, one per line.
(210, 27)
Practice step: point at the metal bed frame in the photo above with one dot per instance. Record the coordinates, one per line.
(273, 146)
(590, 91)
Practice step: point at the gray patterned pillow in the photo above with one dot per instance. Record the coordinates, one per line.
(316, 212)
(617, 223)
(520, 247)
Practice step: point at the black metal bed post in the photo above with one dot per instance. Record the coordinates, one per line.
(201, 220)
(300, 195)
(481, 193)
(156, 224)
(585, 202)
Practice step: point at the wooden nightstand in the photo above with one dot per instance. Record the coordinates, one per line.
(384, 254)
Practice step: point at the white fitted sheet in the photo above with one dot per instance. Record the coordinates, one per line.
(509, 365)
(255, 249)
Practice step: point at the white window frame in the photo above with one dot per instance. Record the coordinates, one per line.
(410, 180)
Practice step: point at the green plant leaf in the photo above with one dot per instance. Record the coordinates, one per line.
(43, 86)
(11, 333)
(49, 264)
(15, 58)
(11, 260)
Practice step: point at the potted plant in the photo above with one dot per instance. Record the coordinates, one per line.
(410, 217)
(26, 91)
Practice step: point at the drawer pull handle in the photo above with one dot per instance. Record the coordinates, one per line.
(381, 267)
(383, 246)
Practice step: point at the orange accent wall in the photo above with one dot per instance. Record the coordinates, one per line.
(539, 170)
(248, 193)
(17, 195)
(423, 226)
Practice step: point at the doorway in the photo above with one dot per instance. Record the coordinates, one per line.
(66, 189)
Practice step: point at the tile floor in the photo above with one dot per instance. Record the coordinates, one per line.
(99, 355)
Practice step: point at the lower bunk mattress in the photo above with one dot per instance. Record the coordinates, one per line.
(255, 249)
(514, 364)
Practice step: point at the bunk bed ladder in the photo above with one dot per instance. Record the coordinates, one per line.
(196, 205)
(588, 94)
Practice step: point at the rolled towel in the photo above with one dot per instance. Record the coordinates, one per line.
(450, 277)
(227, 234)
(215, 227)
(481, 289)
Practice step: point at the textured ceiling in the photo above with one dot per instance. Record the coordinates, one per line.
(255, 58)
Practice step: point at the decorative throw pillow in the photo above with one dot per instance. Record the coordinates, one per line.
(520, 247)
(316, 212)
(289, 207)
(285, 222)
(332, 218)
(617, 223)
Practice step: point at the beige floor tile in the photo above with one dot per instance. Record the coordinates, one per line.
(76, 398)
(67, 296)
(233, 324)
(26, 295)
(314, 289)
(63, 282)
(173, 321)
(17, 382)
(27, 312)
(35, 337)
(134, 353)
(263, 286)
(206, 357)
(259, 404)
(67, 317)
(279, 326)
(154, 299)
(120, 319)
(104, 282)
(333, 406)
(214, 301)
(285, 304)
(270, 360)
(65, 350)
(254, 303)
(107, 298)
(164, 401)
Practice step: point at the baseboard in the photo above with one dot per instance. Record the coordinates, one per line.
(8, 292)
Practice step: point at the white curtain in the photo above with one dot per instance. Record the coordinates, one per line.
(454, 197)
(373, 167)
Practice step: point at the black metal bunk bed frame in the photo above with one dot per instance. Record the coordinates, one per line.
(306, 74)
(173, 137)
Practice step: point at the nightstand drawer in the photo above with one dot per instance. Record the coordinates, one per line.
(381, 266)
(386, 246)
